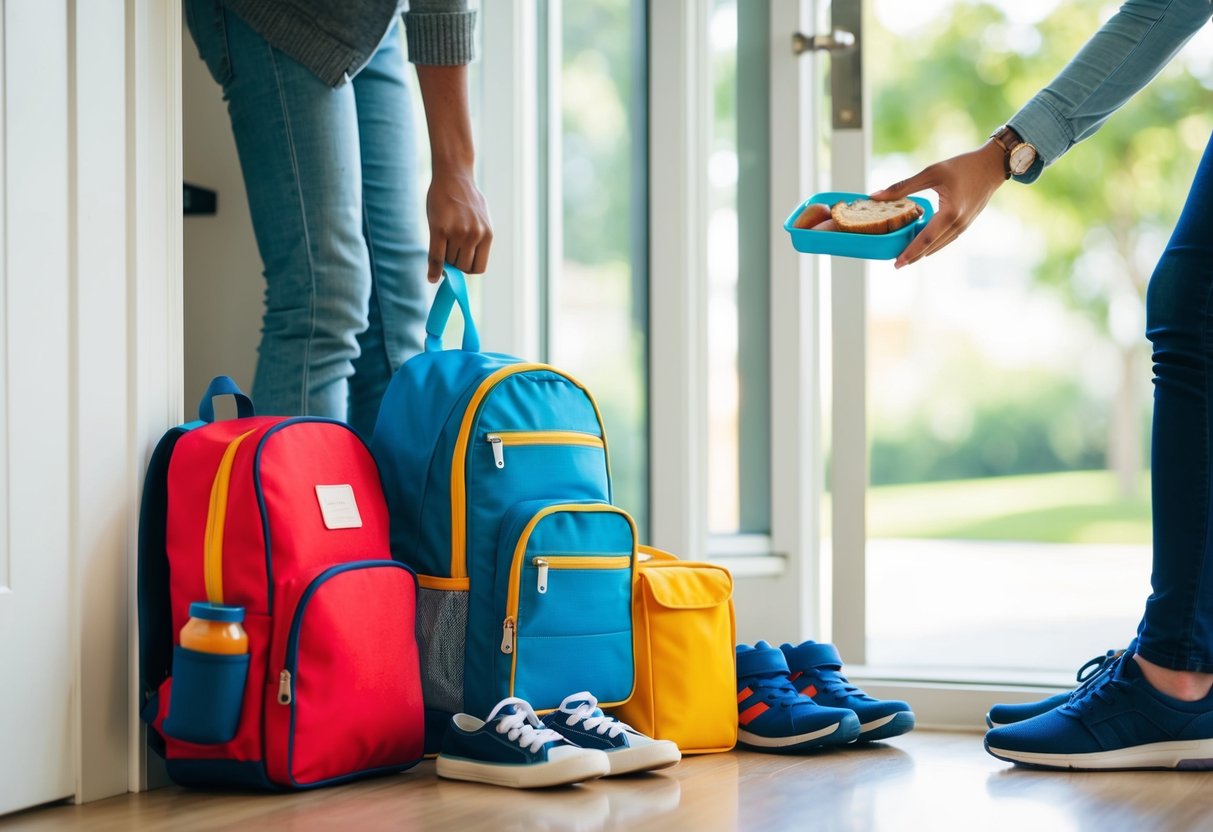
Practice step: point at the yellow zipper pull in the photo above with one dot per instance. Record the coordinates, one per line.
(284, 688)
(498, 451)
(507, 636)
(543, 574)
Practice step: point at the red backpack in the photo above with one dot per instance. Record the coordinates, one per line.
(285, 519)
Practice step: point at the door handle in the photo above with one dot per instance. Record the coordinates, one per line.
(840, 40)
(846, 61)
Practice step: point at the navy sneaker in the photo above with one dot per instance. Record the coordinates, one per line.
(1116, 721)
(1000, 715)
(772, 716)
(817, 673)
(580, 721)
(512, 748)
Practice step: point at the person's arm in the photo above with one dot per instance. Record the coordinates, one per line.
(1120, 59)
(460, 231)
(440, 37)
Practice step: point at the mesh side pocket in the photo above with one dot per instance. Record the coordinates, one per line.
(441, 621)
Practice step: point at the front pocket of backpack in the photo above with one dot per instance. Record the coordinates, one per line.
(346, 692)
(568, 602)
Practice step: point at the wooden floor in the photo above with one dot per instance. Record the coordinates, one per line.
(924, 781)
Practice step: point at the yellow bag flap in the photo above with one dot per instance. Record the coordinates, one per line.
(686, 585)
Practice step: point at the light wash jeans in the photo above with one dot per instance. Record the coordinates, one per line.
(331, 178)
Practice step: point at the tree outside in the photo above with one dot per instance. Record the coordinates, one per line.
(1095, 221)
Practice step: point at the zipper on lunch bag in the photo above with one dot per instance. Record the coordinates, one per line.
(546, 562)
(498, 440)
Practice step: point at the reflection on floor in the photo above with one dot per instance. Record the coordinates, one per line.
(923, 781)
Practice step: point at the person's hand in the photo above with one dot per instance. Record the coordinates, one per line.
(460, 231)
(964, 183)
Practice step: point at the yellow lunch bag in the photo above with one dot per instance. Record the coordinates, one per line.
(684, 636)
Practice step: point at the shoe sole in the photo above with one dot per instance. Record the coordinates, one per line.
(840, 733)
(893, 725)
(575, 769)
(1194, 755)
(648, 757)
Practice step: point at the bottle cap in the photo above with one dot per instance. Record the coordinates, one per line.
(216, 612)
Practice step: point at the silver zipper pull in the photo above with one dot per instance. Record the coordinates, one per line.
(284, 688)
(498, 451)
(507, 636)
(543, 574)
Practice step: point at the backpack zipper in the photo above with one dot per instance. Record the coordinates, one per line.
(575, 562)
(509, 627)
(459, 457)
(499, 439)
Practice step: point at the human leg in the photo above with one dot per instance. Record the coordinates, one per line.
(392, 226)
(1176, 632)
(298, 146)
(1152, 706)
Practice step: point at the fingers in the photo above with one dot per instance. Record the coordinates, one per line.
(437, 256)
(920, 181)
(481, 261)
(917, 247)
(931, 239)
(470, 254)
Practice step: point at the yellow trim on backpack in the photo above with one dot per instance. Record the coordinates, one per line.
(459, 457)
(216, 519)
(547, 437)
(448, 584)
(586, 562)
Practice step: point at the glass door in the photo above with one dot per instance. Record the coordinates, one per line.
(989, 406)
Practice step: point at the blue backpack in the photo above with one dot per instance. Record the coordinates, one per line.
(499, 489)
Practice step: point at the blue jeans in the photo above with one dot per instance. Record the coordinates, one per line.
(1177, 629)
(331, 178)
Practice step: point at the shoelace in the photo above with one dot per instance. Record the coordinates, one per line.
(581, 706)
(1097, 665)
(1101, 685)
(832, 681)
(1093, 671)
(522, 726)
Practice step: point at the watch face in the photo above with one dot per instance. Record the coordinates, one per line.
(1022, 158)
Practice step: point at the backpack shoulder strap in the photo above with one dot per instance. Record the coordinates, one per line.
(154, 607)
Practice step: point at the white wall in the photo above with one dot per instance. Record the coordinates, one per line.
(223, 282)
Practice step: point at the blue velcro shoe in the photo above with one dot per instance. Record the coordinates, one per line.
(1000, 715)
(1116, 721)
(773, 717)
(512, 748)
(581, 722)
(817, 673)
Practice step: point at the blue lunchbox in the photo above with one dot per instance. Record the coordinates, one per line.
(849, 244)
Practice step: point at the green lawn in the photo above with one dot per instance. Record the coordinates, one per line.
(1070, 507)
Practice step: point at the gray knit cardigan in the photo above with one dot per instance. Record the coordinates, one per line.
(336, 38)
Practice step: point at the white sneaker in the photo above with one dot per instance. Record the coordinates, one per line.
(581, 722)
(513, 748)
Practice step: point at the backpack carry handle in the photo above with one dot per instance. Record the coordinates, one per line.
(224, 386)
(452, 290)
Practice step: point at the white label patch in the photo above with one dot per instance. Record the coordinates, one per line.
(338, 506)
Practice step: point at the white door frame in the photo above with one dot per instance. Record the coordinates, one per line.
(777, 578)
(126, 369)
(155, 357)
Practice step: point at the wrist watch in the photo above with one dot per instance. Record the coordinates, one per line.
(1018, 155)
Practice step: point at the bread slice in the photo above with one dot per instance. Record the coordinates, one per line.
(869, 216)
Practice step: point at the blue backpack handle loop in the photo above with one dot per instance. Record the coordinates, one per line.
(452, 290)
(224, 386)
